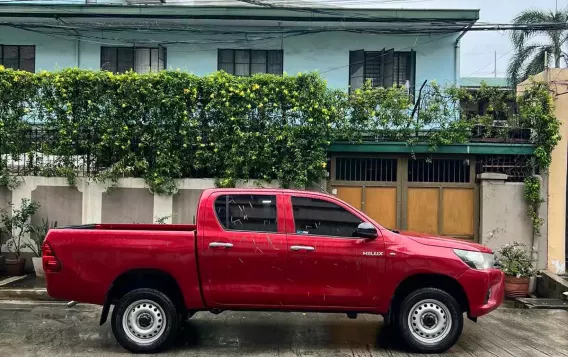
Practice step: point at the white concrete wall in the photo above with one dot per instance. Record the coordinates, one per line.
(326, 52)
(503, 216)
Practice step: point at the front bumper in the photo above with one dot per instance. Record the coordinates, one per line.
(485, 290)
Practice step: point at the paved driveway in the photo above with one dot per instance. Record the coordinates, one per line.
(56, 331)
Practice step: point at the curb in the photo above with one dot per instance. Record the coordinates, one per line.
(25, 294)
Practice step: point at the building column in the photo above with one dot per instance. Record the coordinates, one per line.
(163, 207)
(555, 221)
(92, 203)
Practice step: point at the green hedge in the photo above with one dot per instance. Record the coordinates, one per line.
(169, 125)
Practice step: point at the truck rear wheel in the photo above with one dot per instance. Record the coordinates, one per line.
(430, 320)
(145, 320)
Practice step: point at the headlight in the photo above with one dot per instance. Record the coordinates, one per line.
(476, 260)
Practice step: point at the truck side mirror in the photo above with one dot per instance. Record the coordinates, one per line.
(367, 230)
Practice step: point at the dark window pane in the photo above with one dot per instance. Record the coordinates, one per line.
(154, 62)
(349, 168)
(242, 69)
(373, 61)
(142, 62)
(257, 68)
(402, 68)
(356, 69)
(274, 69)
(162, 54)
(226, 56)
(108, 59)
(320, 217)
(275, 57)
(247, 212)
(227, 67)
(125, 61)
(438, 170)
(27, 58)
(258, 57)
(10, 57)
(242, 57)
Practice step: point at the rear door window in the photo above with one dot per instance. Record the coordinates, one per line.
(247, 212)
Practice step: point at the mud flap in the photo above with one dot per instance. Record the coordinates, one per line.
(104, 312)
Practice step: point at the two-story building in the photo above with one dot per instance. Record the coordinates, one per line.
(346, 46)
(399, 186)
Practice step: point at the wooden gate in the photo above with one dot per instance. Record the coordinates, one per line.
(427, 195)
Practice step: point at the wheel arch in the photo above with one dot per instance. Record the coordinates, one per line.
(418, 281)
(142, 278)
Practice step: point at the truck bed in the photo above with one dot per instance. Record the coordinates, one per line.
(92, 257)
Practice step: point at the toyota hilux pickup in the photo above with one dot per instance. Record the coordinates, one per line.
(271, 250)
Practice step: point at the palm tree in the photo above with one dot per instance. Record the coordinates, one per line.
(534, 47)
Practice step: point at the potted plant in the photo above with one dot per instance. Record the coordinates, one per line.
(37, 236)
(516, 262)
(15, 228)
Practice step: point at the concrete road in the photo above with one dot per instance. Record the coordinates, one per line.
(53, 330)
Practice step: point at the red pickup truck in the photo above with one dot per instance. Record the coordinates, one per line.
(281, 250)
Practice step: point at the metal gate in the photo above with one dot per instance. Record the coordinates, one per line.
(436, 195)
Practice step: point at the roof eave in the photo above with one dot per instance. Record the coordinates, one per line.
(238, 12)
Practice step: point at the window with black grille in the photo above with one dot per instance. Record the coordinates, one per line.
(384, 68)
(516, 167)
(439, 170)
(249, 62)
(138, 59)
(18, 57)
(365, 169)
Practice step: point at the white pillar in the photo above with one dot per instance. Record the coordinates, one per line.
(92, 203)
(163, 207)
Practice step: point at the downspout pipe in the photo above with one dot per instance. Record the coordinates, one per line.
(457, 53)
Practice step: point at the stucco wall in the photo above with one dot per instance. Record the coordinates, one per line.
(185, 206)
(128, 205)
(503, 215)
(57, 204)
(326, 52)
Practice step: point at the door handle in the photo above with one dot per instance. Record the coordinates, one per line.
(220, 245)
(302, 247)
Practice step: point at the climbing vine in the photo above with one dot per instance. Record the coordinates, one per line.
(170, 125)
(536, 112)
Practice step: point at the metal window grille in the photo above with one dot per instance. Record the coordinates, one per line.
(18, 57)
(139, 59)
(383, 68)
(438, 170)
(516, 167)
(365, 169)
(249, 62)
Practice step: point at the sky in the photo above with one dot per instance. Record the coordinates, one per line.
(478, 48)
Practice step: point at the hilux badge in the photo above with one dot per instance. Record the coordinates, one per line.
(373, 253)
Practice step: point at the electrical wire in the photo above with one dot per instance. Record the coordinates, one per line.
(490, 63)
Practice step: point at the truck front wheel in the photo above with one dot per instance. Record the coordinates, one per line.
(430, 320)
(145, 320)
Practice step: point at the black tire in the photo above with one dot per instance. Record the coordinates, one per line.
(434, 319)
(159, 302)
